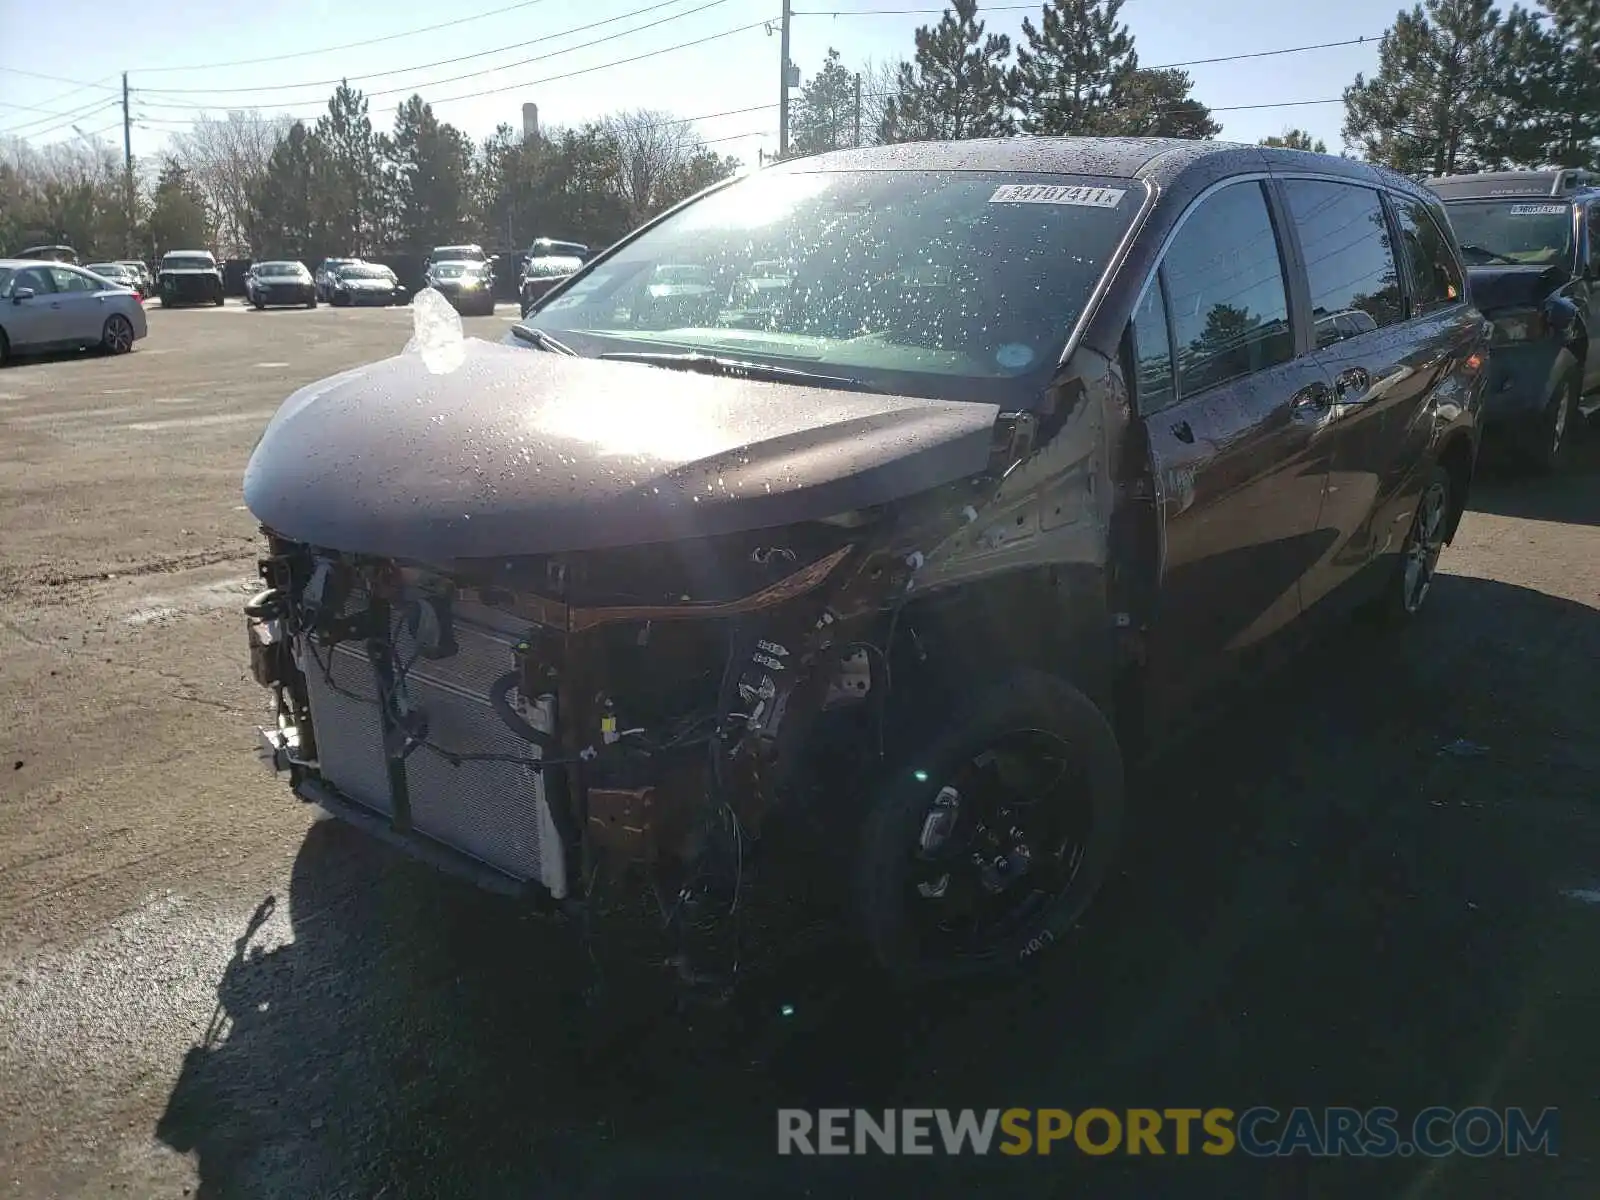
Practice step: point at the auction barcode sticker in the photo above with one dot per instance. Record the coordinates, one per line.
(1041, 193)
(1537, 210)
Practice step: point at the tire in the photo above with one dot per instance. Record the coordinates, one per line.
(117, 336)
(890, 902)
(218, 300)
(1547, 450)
(1408, 587)
(259, 306)
(5, 348)
(311, 303)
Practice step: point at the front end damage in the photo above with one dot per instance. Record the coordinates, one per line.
(627, 721)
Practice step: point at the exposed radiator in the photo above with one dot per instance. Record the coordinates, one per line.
(494, 811)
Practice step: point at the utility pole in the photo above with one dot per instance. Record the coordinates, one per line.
(857, 139)
(127, 169)
(783, 84)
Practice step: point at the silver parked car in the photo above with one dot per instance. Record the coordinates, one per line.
(55, 306)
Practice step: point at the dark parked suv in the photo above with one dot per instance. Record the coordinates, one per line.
(887, 575)
(1531, 240)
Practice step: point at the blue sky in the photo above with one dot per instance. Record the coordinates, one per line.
(168, 45)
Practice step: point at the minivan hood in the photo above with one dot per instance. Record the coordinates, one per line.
(1497, 286)
(519, 451)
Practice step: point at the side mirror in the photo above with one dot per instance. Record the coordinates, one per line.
(22, 293)
(1560, 313)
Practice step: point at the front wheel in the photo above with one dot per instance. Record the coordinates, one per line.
(259, 305)
(1553, 434)
(992, 837)
(117, 337)
(311, 303)
(218, 299)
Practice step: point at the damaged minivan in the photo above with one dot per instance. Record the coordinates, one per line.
(1029, 447)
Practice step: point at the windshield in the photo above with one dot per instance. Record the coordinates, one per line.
(1505, 231)
(364, 271)
(924, 279)
(458, 254)
(108, 270)
(283, 268)
(454, 270)
(553, 266)
(187, 262)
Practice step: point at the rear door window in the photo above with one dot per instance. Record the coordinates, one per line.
(71, 281)
(1350, 262)
(1436, 277)
(1225, 286)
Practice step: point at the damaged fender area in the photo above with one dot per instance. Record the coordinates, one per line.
(623, 721)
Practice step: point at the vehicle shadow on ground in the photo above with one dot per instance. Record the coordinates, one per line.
(1571, 497)
(1349, 893)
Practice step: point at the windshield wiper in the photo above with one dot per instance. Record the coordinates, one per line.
(1471, 248)
(541, 340)
(711, 364)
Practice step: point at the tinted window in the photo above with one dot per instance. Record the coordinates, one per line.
(71, 281)
(1431, 263)
(1152, 351)
(37, 278)
(1350, 264)
(1594, 235)
(1224, 277)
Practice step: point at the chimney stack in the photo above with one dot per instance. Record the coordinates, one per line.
(530, 121)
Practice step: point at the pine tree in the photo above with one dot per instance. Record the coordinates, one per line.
(430, 171)
(1070, 67)
(1552, 61)
(177, 212)
(1157, 103)
(826, 117)
(1432, 106)
(351, 181)
(960, 85)
(1296, 139)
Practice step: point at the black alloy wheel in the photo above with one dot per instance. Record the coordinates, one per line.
(117, 337)
(988, 845)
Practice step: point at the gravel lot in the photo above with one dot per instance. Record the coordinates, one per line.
(1376, 882)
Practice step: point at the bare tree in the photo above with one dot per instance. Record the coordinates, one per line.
(878, 81)
(653, 148)
(226, 158)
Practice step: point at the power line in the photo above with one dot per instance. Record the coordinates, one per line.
(75, 114)
(391, 37)
(883, 12)
(67, 123)
(529, 83)
(56, 78)
(444, 62)
(432, 83)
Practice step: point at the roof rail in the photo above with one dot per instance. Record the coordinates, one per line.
(1570, 180)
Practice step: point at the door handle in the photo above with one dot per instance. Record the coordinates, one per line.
(1312, 401)
(1352, 385)
(1184, 432)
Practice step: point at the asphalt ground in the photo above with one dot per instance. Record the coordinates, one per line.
(1375, 882)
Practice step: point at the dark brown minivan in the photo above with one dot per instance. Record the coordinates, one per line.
(1031, 443)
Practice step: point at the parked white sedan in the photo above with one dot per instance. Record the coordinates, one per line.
(56, 306)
